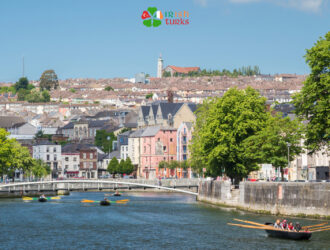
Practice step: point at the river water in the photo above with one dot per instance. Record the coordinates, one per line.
(149, 221)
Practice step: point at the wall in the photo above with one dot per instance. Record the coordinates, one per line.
(287, 198)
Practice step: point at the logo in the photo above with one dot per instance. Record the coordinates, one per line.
(152, 17)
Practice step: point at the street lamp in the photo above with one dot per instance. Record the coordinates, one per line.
(109, 139)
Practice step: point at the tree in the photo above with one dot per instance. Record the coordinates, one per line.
(22, 93)
(122, 166)
(101, 140)
(222, 126)
(48, 80)
(113, 166)
(39, 169)
(313, 101)
(270, 145)
(22, 83)
(150, 95)
(163, 164)
(72, 90)
(129, 167)
(36, 96)
(12, 155)
(45, 96)
(108, 88)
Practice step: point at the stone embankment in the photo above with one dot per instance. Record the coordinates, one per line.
(296, 199)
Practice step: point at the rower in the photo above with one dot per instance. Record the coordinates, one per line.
(277, 224)
(290, 227)
(42, 196)
(297, 227)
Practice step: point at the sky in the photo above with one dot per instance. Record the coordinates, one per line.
(106, 38)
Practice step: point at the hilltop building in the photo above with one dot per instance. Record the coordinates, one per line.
(160, 67)
(180, 70)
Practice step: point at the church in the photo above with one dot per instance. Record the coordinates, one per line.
(173, 70)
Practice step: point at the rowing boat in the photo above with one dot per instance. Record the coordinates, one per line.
(283, 234)
(42, 199)
(105, 203)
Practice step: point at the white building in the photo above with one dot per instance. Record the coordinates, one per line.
(51, 154)
(70, 162)
(134, 142)
(160, 67)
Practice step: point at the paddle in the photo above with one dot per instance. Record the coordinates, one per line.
(25, 198)
(119, 201)
(321, 230)
(255, 227)
(318, 225)
(251, 222)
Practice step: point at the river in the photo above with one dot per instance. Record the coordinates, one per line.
(149, 221)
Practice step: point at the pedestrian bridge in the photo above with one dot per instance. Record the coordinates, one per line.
(86, 184)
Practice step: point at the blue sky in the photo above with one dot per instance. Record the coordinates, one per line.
(106, 38)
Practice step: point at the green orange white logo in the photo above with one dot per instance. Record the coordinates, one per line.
(152, 17)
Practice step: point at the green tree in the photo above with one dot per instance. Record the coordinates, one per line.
(22, 83)
(108, 88)
(150, 95)
(122, 167)
(101, 140)
(222, 126)
(36, 96)
(39, 169)
(72, 90)
(313, 101)
(271, 144)
(12, 155)
(45, 96)
(129, 167)
(113, 166)
(163, 164)
(22, 93)
(48, 80)
(166, 74)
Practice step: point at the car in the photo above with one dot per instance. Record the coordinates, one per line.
(300, 181)
(128, 177)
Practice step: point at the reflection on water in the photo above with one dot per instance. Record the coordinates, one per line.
(148, 221)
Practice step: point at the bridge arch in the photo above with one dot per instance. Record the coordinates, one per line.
(22, 184)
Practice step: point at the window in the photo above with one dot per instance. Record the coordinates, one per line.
(47, 157)
(171, 139)
(145, 149)
(55, 158)
(85, 164)
(164, 158)
(158, 139)
(91, 156)
(66, 166)
(172, 158)
(66, 158)
(164, 148)
(74, 158)
(47, 149)
(84, 155)
(54, 149)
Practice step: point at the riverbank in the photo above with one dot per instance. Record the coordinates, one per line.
(308, 200)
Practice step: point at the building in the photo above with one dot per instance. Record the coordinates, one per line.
(88, 162)
(102, 170)
(174, 70)
(166, 114)
(134, 147)
(70, 160)
(160, 67)
(50, 153)
(22, 131)
(123, 144)
(158, 144)
(140, 78)
(184, 136)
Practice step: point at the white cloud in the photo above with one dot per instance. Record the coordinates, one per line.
(305, 5)
(202, 3)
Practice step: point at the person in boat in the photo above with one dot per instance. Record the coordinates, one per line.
(277, 224)
(106, 199)
(284, 225)
(290, 227)
(117, 193)
(42, 196)
(297, 226)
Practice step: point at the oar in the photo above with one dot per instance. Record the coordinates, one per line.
(251, 222)
(25, 198)
(318, 228)
(248, 226)
(119, 201)
(318, 225)
(321, 230)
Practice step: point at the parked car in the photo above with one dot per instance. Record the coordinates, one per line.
(128, 177)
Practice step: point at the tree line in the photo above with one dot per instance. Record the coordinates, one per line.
(27, 92)
(243, 71)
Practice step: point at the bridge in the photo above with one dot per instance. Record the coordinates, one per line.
(87, 184)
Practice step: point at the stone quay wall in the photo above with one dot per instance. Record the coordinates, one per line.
(296, 199)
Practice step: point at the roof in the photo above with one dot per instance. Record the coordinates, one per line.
(136, 133)
(183, 70)
(150, 131)
(10, 121)
(44, 142)
(74, 148)
(113, 154)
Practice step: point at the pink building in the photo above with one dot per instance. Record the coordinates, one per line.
(157, 144)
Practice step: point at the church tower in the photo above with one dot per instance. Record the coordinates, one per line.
(160, 67)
